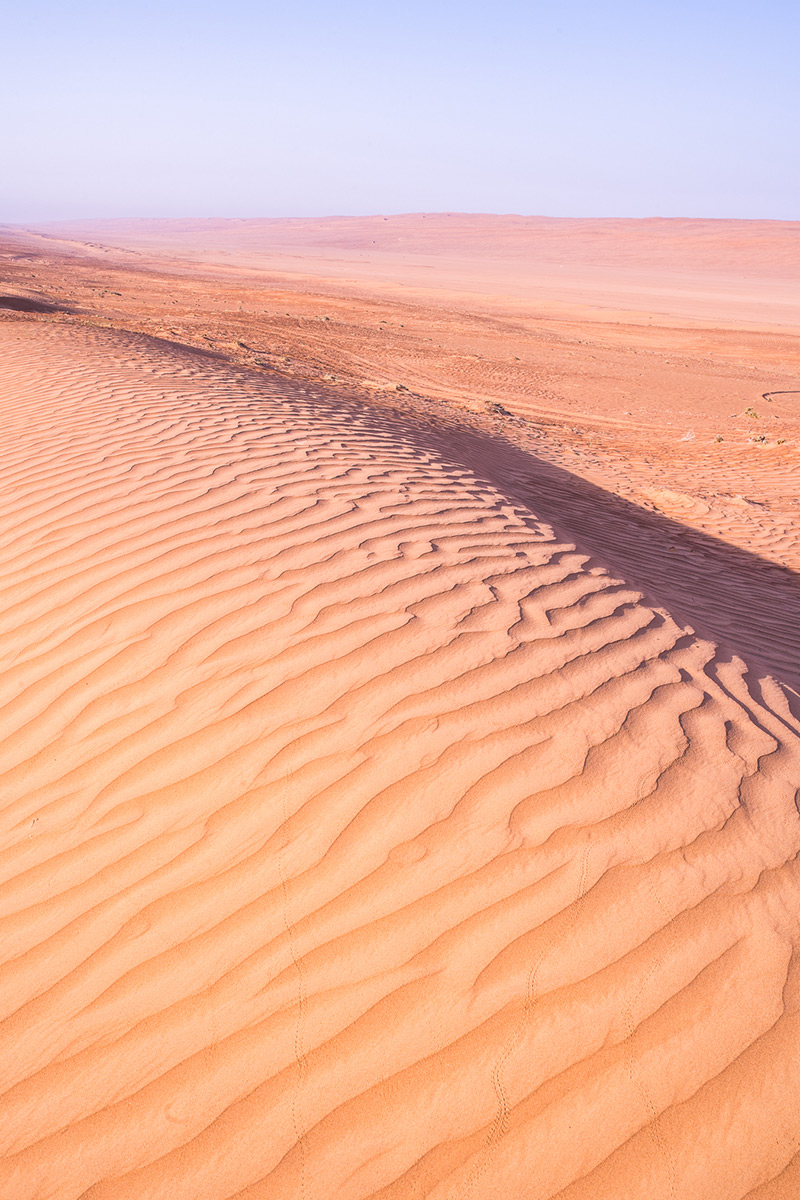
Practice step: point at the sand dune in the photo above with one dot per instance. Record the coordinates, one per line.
(697, 421)
(366, 832)
(740, 271)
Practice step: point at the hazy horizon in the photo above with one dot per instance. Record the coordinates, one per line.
(101, 218)
(255, 111)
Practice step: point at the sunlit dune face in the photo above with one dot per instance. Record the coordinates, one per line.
(366, 834)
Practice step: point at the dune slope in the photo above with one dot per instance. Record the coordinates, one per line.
(361, 837)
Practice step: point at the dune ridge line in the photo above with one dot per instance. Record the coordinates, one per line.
(361, 836)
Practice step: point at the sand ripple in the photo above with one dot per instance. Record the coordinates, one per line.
(359, 838)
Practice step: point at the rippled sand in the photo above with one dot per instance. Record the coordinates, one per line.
(364, 836)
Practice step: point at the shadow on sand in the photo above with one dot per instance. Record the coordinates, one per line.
(29, 305)
(746, 604)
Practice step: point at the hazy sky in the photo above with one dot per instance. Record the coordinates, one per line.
(237, 108)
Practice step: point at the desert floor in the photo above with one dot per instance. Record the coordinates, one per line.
(400, 689)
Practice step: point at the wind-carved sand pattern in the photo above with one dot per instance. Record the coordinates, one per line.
(361, 838)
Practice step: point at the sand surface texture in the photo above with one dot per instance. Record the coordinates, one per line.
(658, 359)
(737, 271)
(368, 833)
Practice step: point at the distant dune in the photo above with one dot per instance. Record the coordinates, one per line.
(698, 245)
(365, 835)
(735, 271)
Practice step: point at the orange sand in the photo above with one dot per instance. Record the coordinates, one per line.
(388, 812)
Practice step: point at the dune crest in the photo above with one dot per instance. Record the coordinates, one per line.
(362, 837)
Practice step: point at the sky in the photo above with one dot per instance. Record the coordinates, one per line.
(308, 108)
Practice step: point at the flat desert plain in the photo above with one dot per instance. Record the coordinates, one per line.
(400, 673)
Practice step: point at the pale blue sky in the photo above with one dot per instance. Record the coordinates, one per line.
(297, 109)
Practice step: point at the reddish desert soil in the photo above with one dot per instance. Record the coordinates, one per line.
(400, 747)
(635, 398)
